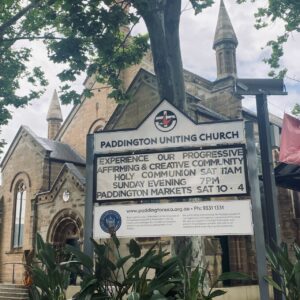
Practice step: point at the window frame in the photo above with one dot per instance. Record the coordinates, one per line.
(20, 196)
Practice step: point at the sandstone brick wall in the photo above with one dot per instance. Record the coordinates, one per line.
(53, 127)
(98, 107)
(288, 224)
(26, 164)
(136, 112)
(225, 103)
(52, 203)
(55, 170)
(242, 255)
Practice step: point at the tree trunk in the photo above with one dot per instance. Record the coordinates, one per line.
(162, 18)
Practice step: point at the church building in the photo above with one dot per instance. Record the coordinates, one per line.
(43, 179)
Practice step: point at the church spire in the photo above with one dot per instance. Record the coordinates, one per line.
(54, 116)
(225, 43)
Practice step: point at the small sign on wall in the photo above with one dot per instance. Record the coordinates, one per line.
(174, 219)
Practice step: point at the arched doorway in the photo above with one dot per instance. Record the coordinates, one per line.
(66, 227)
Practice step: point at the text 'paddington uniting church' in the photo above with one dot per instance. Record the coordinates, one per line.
(204, 137)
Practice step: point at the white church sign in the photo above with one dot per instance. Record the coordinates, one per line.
(164, 158)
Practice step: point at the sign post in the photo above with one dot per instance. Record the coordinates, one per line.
(89, 203)
(261, 256)
(260, 88)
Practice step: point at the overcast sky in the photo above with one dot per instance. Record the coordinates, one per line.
(197, 33)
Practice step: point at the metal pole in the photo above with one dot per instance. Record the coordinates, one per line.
(88, 212)
(259, 238)
(270, 194)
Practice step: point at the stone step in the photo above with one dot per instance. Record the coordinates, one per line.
(10, 289)
(13, 292)
(12, 286)
(13, 298)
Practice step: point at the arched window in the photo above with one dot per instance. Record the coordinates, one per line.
(98, 129)
(97, 126)
(20, 203)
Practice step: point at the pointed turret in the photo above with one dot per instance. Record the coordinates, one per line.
(54, 116)
(225, 43)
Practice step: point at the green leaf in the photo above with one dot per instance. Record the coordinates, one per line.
(272, 258)
(297, 274)
(233, 276)
(100, 250)
(141, 262)
(84, 259)
(157, 296)
(41, 279)
(134, 249)
(88, 284)
(166, 288)
(122, 260)
(273, 283)
(115, 240)
(40, 245)
(199, 5)
(216, 293)
(163, 275)
(194, 283)
(134, 296)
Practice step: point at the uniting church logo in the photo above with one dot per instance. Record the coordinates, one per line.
(165, 120)
(110, 221)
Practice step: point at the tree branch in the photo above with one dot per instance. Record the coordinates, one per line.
(45, 37)
(123, 44)
(18, 16)
(291, 78)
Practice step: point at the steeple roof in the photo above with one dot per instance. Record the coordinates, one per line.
(54, 112)
(224, 30)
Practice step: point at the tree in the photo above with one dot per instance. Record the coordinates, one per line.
(13, 62)
(91, 36)
(40, 20)
(287, 11)
(296, 110)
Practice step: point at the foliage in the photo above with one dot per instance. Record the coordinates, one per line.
(198, 283)
(83, 35)
(50, 279)
(287, 269)
(14, 64)
(89, 36)
(2, 144)
(296, 110)
(153, 275)
(288, 11)
(108, 278)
